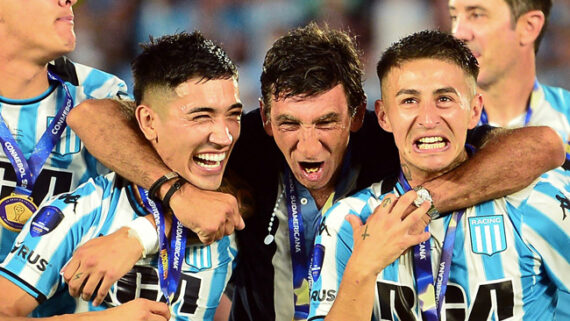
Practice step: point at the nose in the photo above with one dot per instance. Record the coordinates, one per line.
(64, 3)
(220, 134)
(309, 142)
(461, 29)
(428, 115)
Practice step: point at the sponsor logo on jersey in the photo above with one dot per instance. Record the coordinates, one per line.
(29, 256)
(46, 220)
(564, 205)
(323, 295)
(317, 261)
(487, 234)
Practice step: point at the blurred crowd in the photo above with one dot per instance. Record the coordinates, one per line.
(109, 31)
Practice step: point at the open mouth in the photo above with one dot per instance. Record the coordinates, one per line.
(209, 160)
(312, 170)
(431, 143)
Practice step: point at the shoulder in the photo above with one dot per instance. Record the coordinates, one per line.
(94, 82)
(558, 98)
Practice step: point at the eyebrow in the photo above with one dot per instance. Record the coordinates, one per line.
(445, 90)
(407, 92)
(211, 109)
(332, 116)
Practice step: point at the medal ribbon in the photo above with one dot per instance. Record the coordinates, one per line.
(27, 171)
(431, 296)
(297, 242)
(170, 256)
(485, 118)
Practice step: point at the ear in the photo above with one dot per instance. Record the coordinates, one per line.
(476, 109)
(265, 118)
(358, 118)
(383, 120)
(146, 118)
(529, 26)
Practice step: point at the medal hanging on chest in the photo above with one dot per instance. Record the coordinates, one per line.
(17, 208)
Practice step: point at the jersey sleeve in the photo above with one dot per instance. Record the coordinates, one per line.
(50, 236)
(546, 225)
(333, 248)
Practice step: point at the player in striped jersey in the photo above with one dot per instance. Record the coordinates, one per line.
(504, 36)
(188, 108)
(33, 33)
(501, 259)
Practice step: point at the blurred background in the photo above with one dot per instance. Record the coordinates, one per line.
(109, 31)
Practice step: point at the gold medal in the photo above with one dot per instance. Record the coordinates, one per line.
(15, 210)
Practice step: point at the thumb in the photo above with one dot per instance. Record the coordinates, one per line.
(354, 221)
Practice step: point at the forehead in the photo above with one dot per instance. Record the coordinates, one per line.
(309, 108)
(491, 5)
(215, 93)
(426, 75)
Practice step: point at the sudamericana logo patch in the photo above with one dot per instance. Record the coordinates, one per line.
(487, 234)
(47, 219)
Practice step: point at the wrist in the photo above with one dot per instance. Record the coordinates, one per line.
(144, 231)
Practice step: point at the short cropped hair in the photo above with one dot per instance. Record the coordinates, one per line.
(428, 44)
(171, 60)
(520, 7)
(309, 61)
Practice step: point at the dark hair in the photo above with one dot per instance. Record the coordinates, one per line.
(309, 61)
(428, 44)
(173, 59)
(520, 7)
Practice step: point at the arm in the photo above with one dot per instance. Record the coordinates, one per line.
(112, 136)
(16, 303)
(507, 161)
(376, 244)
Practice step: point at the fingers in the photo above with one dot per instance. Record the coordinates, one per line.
(403, 203)
(70, 269)
(90, 285)
(75, 284)
(160, 310)
(354, 221)
(104, 288)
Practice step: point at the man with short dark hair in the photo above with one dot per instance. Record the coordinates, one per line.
(188, 108)
(501, 259)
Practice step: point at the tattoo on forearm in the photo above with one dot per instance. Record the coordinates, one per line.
(407, 172)
(365, 234)
(386, 202)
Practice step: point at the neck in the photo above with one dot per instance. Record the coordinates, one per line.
(21, 78)
(508, 97)
(417, 176)
(321, 196)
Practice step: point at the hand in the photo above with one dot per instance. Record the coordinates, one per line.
(212, 215)
(387, 232)
(138, 309)
(101, 261)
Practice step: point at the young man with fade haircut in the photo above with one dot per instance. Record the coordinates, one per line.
(189, 110)
(40, 156)
(320, 151)
(500, 259)
(504, 36)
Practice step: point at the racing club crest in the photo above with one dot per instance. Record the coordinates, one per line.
(487, 234)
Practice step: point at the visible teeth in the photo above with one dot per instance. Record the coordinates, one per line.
(431, 146)
(312, 170)
(213, 157)
(430, 139)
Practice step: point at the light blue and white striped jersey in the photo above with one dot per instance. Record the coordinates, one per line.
(69, 164)
(509, 258)
(100, 207)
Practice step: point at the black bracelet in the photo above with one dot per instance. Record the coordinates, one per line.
(152, 191)
(173, 189)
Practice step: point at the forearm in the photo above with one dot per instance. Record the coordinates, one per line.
(355, 298)
(118, 143)
(507, 162)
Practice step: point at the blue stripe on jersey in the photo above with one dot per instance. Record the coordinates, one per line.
(27, 129)
(219, 281)
(493, 263)
(6, 242)
(94, 77)
(459, 258)
(558, 98)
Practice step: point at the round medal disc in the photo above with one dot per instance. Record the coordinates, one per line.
(15, 210)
